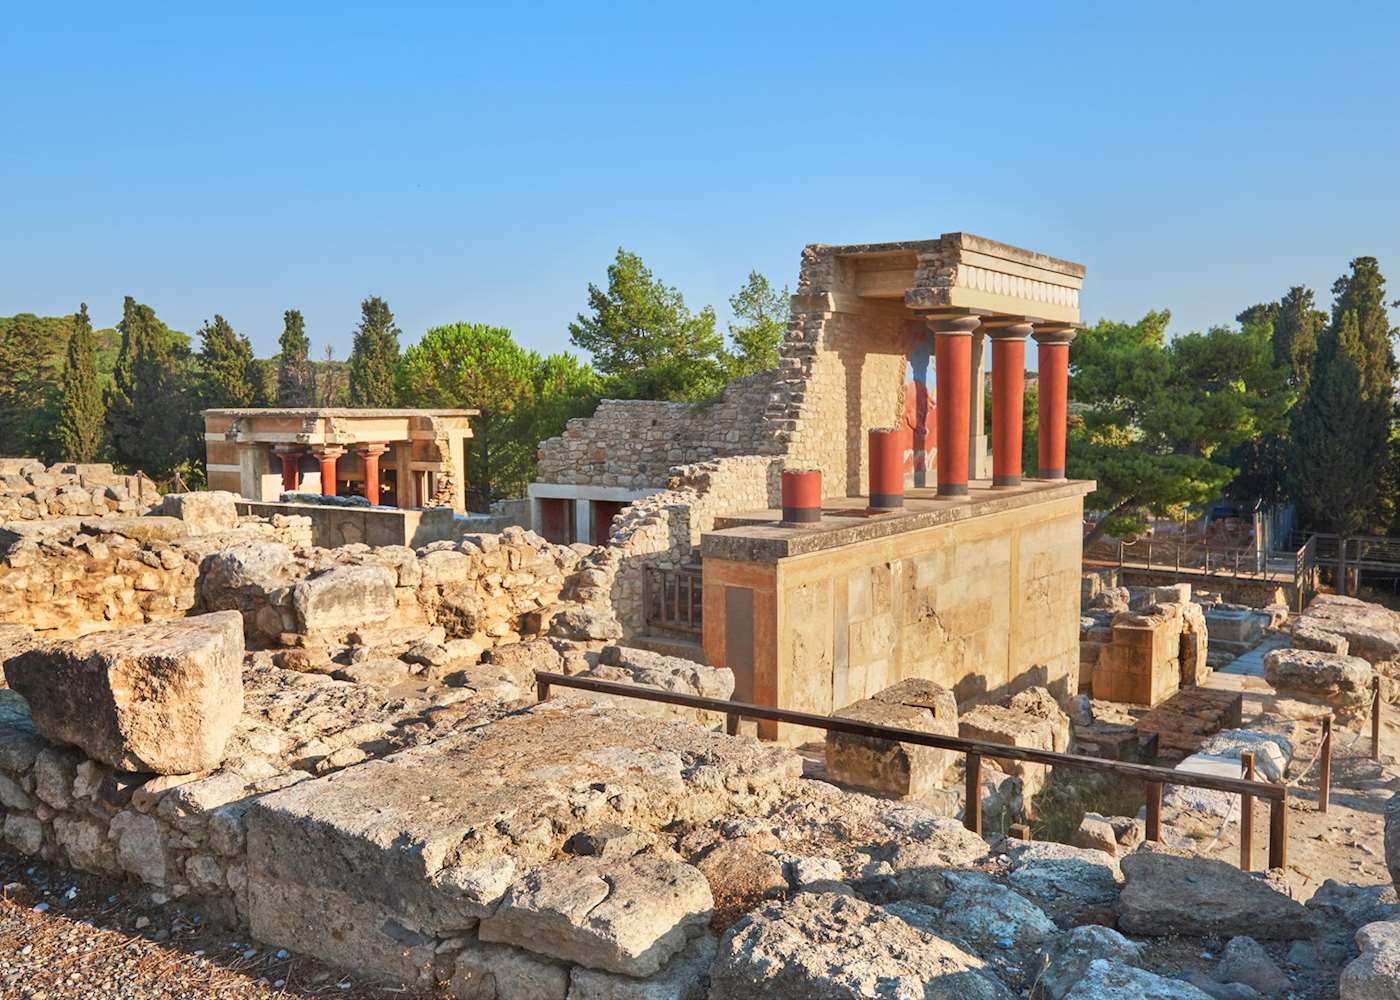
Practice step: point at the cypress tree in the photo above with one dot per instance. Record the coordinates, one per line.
(1340, 435)
(27, 386)
(81, 411)
(296, 379)
(152, 420)
(1362, 292)
(1297, 327)
(374, 356)
(228, 374)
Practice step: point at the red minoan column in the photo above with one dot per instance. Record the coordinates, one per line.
(802, 496)
(1052, 344)
(370, 454)
(1008, 398)
(886, 468)
(952, 360)
(290, 454)
(327, 457)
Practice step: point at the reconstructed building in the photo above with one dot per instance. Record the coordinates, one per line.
(925, 552)
(403, 458)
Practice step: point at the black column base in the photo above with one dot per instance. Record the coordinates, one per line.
(1006, 481)
(952, 489)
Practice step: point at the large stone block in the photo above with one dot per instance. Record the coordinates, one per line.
(203, 513)
(1375, 974)
(163, 697)
(889, 767)
(345, 597)
(998, 724)
(1343, 681)
(628, 916)
(1173, 894)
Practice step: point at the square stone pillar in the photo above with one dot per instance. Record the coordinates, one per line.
(977, 466)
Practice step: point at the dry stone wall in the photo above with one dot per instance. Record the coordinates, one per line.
(31, 491)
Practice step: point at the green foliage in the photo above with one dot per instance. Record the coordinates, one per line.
(763, 314)
(80, 409)
(1362, 293)
(296, 378)
(1295, 331)
(644, 338)
(1160, 419)
(228, 373)
(522, 397)
(374, 356)
(152, 414)
(28, 385)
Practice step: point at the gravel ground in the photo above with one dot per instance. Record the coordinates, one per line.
(67, 936)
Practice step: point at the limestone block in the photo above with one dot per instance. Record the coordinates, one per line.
(1343, 681)
(837, 947)
(499, 972)
(998, 724)
(627, 916)
(24, 833)
(686, 977)
(1375, 973)
(1108, 980)
(1174, 894)
(203, 513)
(1041, 704)
(1096, 833)
(888, 767)
(163, 697)
(1308, 636)
(345, 597)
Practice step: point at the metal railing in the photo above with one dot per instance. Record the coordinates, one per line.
(672, 598)
(1155, 778)
(1236, 563)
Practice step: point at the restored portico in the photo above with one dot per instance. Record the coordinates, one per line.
(403, 458)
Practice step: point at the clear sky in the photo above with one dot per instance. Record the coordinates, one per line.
(484, 162)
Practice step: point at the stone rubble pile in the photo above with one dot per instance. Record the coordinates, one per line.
(31, 491)
(1333, 640)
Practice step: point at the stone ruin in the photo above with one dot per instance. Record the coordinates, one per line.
(31, 491)
(377, 706)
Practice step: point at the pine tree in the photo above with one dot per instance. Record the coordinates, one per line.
(228, 373)
(26, 387)
(81, 411)
(374, 356)
(296, 378)
(764, 312)
(1340, 433)
(1297, 327)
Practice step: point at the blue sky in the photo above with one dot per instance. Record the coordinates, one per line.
(484, 162)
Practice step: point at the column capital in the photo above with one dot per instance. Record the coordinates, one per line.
(327, 450)
(1050, 334)
(374, 449)
(288, 449)
(955, 324)
(1008, 327)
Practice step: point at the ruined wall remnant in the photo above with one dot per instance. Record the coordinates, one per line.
(31, 491)
(1142, 656)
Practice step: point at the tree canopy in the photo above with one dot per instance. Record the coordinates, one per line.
(296, 377)
(228, 373)
(374, 356)
(762, 314)
(644, 338)
(1158, 419)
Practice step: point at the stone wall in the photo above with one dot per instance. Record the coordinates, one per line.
(31, 491)
(664, 530)
(636, 443)
(1142, 656)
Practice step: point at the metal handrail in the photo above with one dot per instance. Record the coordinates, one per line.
(1154, 776)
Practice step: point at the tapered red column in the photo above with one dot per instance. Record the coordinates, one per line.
(1052, 345)
(1008, 401)
(327, 457)
(370, 453)
(290, 454)
(952, 352)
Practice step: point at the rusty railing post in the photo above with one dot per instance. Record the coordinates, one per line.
(1019, 831)
(972, 810)
(541, 689)
(731, 724)
(1247, 814)
(1324, 780)
(1154, 811)
(1376, 717)
(1278, 830)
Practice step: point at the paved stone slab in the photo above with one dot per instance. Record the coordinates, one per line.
(1169, 893)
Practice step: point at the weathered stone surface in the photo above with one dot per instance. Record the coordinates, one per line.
(345, 597)
(1375, 973)
(1067, 959)
(627, 665)
(628, 916)
(520, 787)
(686, 977)
(1372, 631)
(1245, 961)
(888, 767)
(1063, 881)
(1168, 893)
(1309, 636)
(1340, 680)
(998, 724)
(1095, 833)
(740, 876)
(1041, 704)
(163, 697)
(498, 972)
(521, 659)
(1392, 839)
(825, 946)
(1105, 980)
(582, 624)
(988, 917)
(203, 512)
